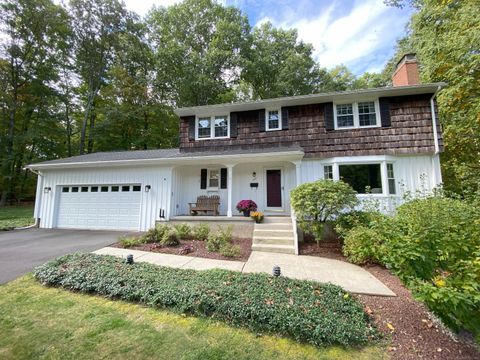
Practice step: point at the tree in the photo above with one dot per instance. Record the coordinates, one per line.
(278, 64)
(317, 202)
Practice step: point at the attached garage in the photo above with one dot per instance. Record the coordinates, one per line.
(101, 206)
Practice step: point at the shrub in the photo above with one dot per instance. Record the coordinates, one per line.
(129, 241)
(184, 231)
(320, 314)
(317, 202)
(230, 250)
(169, 238)
(201, 232)
(363, 244)
(222, 238)
(347, 221)
(155, 235)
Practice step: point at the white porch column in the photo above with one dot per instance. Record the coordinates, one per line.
(229, 189)
(298, 172)
(335, 171)
(384, 175)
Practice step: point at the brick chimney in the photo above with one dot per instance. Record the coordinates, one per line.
(406, 72)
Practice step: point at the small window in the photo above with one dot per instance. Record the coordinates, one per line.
(391, 180)
(328, 172)
(364, 179)
(104, 189)
(65, 189)
(115, 188)
(274, 121)
(221, 126)
(366, 114)
(204, 130)
(75, 189)
(125, 188)
(213, 179)
(137, 188)
(94, 189)
(345, 115)
(84, 188)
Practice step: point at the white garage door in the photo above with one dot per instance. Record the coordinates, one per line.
(113, 207)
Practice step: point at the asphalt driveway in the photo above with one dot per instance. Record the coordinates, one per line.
(22, 250)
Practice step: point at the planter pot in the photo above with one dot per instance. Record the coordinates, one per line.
(258, 221)
(246, 213)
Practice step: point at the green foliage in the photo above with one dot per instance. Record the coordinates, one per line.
(349, 220)
(230, 250)
(432, 244)
(222, 238)
(317, 202)
(129, 241)
(12, 217)
(155, 235)
(184, 231)
(169, 238)
(320, 314)
(201, 232)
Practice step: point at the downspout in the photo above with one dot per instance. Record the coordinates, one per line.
(434, 121)
(38, 201)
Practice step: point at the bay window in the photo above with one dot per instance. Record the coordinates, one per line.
(363, 178)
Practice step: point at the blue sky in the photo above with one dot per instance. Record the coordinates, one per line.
(358, 33)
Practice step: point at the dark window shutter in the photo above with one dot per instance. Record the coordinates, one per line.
(385, 112)
(223, 178)
(284, 118)
(191, 127)
(328, 115)
(233, 124)
(261, 120)
(203, 179)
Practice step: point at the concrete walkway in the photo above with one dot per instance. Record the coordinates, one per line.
(351, 277)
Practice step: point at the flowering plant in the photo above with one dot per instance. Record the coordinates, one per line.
(257, 216)
(246, 205)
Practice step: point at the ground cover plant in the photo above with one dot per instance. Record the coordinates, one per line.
(12, 217)
(319, 314)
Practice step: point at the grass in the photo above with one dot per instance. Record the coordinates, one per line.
(15, 216)
(51, 323)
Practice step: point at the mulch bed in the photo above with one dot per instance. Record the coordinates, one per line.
(416, 334)
(199, 249)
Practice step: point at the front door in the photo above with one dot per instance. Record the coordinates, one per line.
(274, 188)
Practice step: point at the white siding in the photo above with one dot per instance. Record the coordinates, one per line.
(151, 202)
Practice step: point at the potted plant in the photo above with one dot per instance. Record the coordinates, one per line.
(246, 206)
(257, 216)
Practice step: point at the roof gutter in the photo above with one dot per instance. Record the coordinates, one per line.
(434, 120)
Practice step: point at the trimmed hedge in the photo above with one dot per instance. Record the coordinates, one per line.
(319, 314)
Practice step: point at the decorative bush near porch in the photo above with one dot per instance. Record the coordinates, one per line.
(320, 314)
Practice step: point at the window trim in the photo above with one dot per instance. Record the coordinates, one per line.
(212, 127)
(280, 125)
(356, 115)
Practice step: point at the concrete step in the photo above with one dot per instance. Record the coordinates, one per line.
(273, 241)
(273, 233)
(276, 226)
(285, 249)
(277, 220)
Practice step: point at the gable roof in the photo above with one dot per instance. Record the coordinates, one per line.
(310, 99)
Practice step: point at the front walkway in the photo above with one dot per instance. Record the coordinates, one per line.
(351, 277)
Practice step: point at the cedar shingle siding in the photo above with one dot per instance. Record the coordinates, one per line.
(410, 132)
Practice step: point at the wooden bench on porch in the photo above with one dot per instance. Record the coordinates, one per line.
(205, 204)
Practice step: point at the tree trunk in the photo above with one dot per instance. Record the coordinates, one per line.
(91, 131)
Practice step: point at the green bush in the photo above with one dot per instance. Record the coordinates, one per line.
(347, 221)
(129, 241)
(184, 231)
(201, 232)
(221, 238)
(362, 245)
(155, 235)
(230, 250)
(169, 238)
(317, 202)
(320, 314)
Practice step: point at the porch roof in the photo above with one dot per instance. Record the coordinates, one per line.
(170, 157)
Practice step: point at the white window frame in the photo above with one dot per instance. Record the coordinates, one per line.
(212, 127)
(209, 171)
(356, 115)
(267, 123)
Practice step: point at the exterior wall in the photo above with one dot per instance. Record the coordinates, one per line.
(410, 132)
(154, 200)
(187, 180)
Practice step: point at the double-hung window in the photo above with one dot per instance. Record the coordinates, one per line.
(273, 120)
(213, 178)
(212, 127)
(357, 115)
(328, 172)
(391, 180)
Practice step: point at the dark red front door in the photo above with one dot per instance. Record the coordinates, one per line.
(274, 188)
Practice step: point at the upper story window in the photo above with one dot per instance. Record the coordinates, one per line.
(357, 115)
(212, 127)
(273, 120)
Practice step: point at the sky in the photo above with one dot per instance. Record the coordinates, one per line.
(358, 33)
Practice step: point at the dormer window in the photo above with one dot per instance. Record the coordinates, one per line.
(273, 120)
(357, 115)
(212, 127)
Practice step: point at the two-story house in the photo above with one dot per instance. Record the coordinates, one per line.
(383, 141)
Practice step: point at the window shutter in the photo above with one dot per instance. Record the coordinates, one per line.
(191, 127)
(385, 112)
(284, 118)
(233, 124)
(261, 120)
(328, 116)
(203, 179)
(223, 178)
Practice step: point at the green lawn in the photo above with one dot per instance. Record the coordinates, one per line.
(51, 323)
(15, 216)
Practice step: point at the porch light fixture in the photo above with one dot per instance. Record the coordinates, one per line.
(147, 188)
(276, 271)
(47, 189)
(254, 174)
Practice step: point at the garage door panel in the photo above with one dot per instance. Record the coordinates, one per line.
(99, 209)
